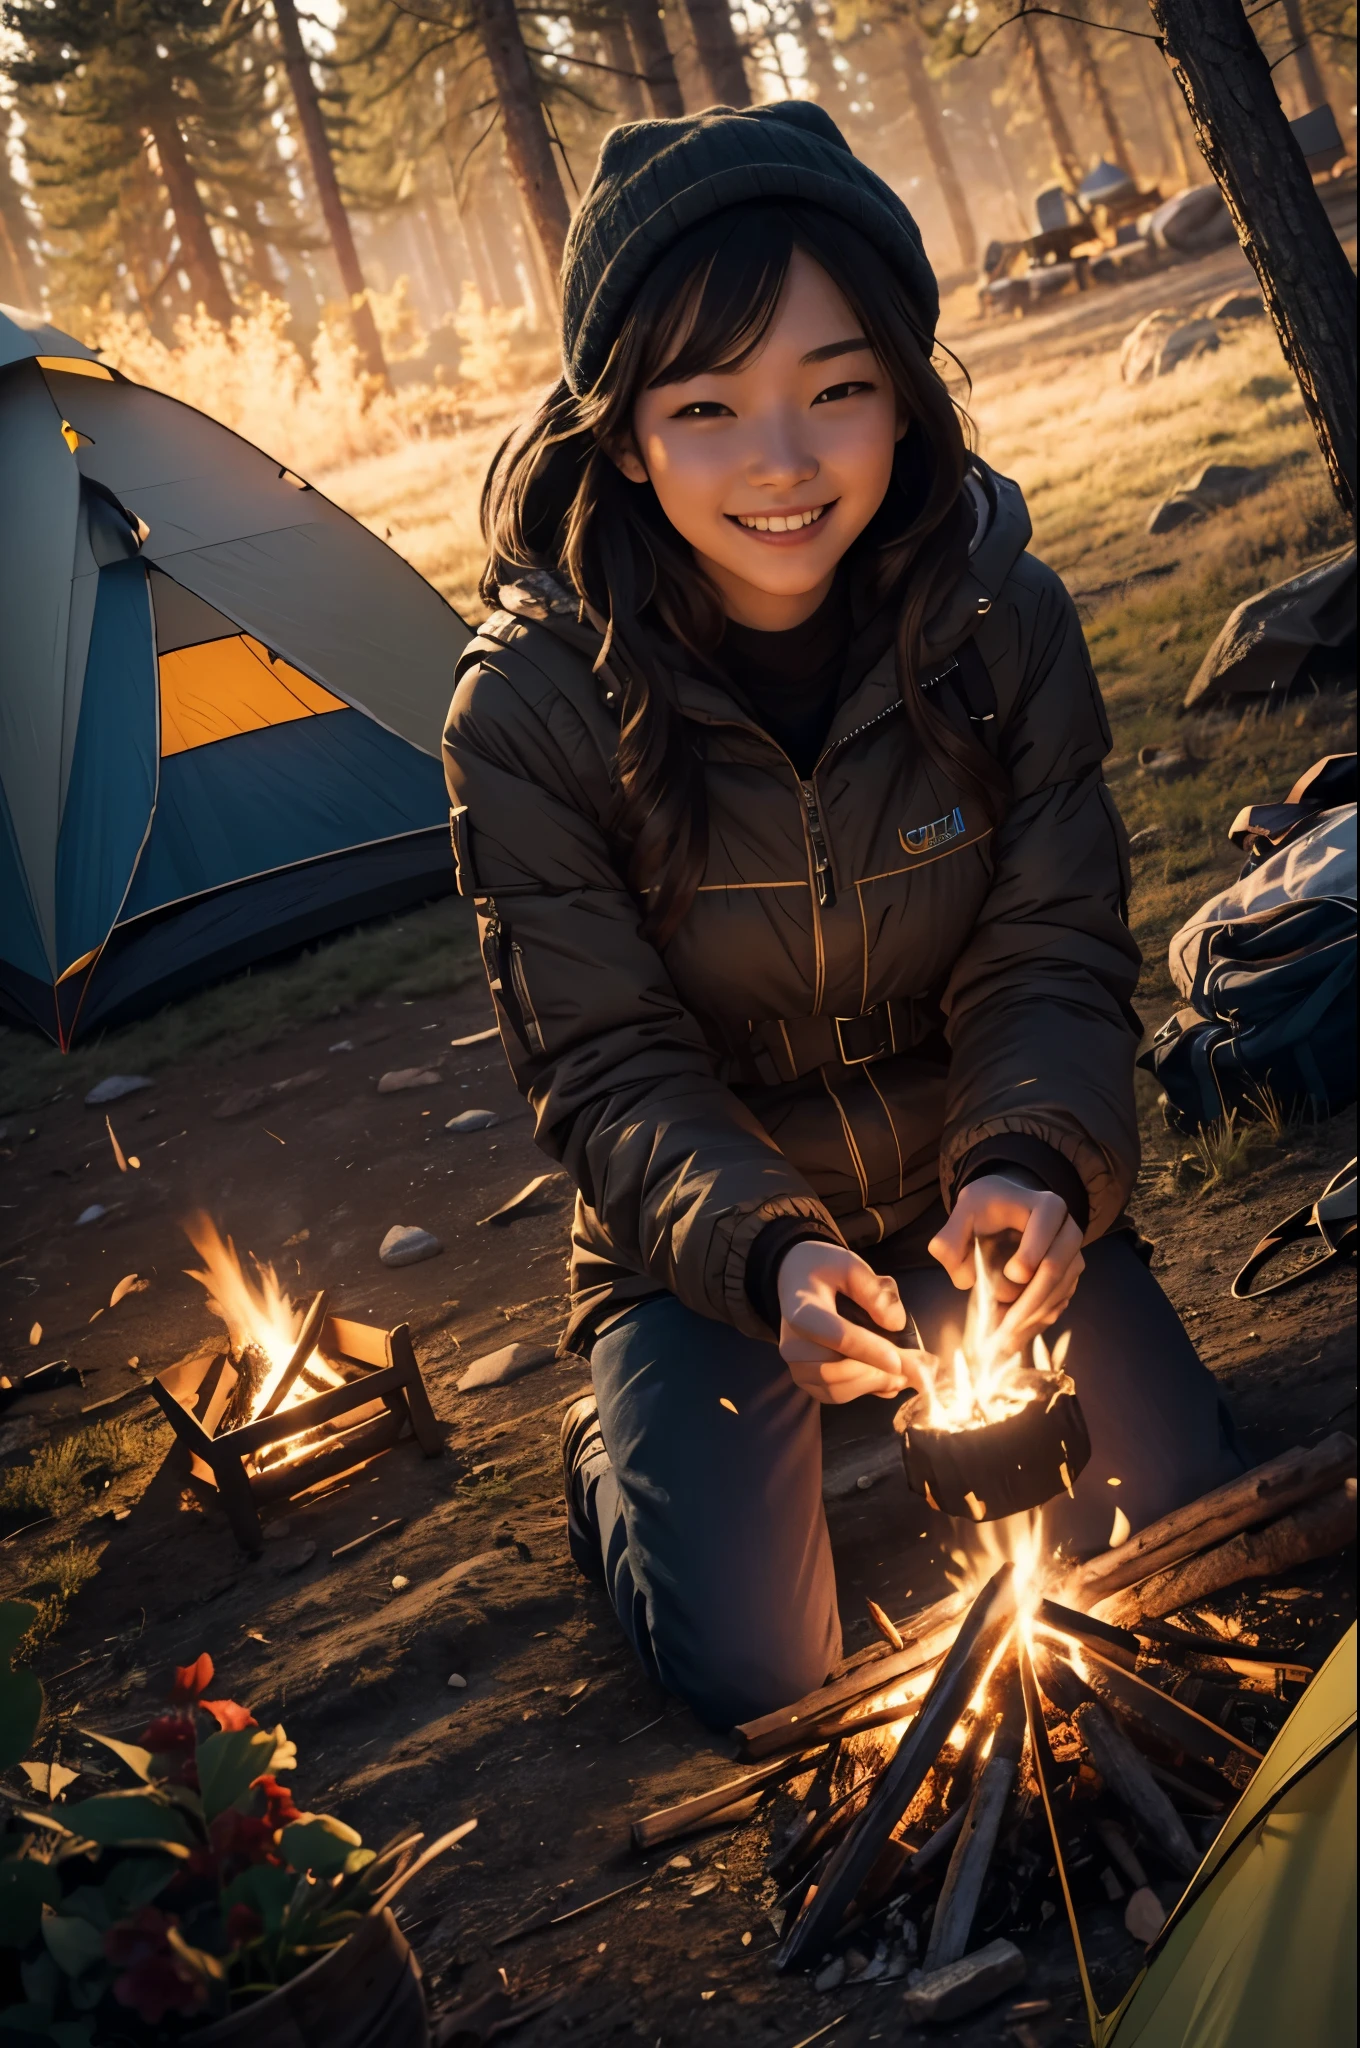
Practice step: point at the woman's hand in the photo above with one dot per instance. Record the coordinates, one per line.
(830, 1358)
(1038, 1279)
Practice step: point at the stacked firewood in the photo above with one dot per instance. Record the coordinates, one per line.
(1058, 1751)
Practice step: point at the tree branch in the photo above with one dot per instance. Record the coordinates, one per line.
(1140, 35)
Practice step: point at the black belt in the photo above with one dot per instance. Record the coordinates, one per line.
(784, 1049)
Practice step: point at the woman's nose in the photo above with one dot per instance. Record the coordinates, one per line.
(778, 458)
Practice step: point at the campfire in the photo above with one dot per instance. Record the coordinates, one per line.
(297, 1399)
(1042, 1722)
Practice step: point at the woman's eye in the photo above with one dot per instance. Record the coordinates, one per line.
(704, 409)
(846, 390)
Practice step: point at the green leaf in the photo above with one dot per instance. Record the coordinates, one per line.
(25, 1888)
(130, 1819)
(73, 1944)
(135, 1881)
(320, 1844)
(209, 1968)
(138, 1760)
(266, 1888)
(21, 1696)
(230, 1762)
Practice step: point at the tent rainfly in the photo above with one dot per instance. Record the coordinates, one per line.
(221, 700)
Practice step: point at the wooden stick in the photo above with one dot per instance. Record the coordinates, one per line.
(1133, 1784)
(1249, 1663)
(668, 1822)
(1170, 1718)
(931, 1635)
(887, 1628)
(1257, 1496)
(1317, 1530)
(969, 1864)
(989, 1620)
(302, 1351)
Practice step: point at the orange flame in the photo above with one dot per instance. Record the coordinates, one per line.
(255, 1312)
(985, 1383)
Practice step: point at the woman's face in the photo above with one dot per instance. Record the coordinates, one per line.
(770, 471)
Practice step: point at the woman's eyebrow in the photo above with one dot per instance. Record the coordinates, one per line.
(836, 348)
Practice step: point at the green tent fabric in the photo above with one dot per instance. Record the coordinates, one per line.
(1260, 1952)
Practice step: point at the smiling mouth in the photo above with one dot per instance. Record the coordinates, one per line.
(778, 522)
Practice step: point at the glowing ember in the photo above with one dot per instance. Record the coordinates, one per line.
(985, 1384)
(263, 1325)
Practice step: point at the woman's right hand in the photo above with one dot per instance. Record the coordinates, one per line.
(830, 1358)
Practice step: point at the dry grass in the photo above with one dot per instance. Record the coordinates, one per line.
(53, 1478)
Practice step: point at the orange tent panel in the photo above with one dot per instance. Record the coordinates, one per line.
(223, 687)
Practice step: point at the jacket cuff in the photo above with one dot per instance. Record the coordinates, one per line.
(767, 1255)
(1045, 1162)
(730, 1251)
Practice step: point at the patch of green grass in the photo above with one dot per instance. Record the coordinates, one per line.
(51, 1480)
(428, 951)
(52, 1588)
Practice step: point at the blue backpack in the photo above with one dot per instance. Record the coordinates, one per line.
(1267, 967)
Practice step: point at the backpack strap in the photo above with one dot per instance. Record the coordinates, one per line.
(968, 678)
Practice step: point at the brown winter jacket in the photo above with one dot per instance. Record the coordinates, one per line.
(696, 1095)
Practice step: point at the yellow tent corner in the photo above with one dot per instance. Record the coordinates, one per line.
(1260, 1952)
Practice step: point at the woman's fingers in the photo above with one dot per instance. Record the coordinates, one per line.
(839, 1380)
(876, 1292)
(833, 1333)
(1048, 1293)
(1046, 1222)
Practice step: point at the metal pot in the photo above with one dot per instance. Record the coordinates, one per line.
(366, 1993)
(1001, 1468)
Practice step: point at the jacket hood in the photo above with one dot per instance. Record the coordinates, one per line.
(1003, 533)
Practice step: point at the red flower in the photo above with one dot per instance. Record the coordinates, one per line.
(279, 1809)
(238, 1840)
(192, 1680)
(243, 1924)
(229, 1717)
(171, 1735)
(154, 1981)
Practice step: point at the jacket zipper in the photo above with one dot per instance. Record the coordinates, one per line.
(821, 860)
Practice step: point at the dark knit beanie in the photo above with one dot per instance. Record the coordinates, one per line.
(655, 179)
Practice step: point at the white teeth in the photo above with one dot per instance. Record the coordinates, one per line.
(778, 522)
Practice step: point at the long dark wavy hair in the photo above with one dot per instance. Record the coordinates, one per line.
(554, 498)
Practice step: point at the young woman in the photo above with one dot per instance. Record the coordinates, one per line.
(776, 774)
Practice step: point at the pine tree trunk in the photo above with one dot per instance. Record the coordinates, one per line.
(1310, 78)
(823, 76)
(299, 68)
(922, 92)
(654, 58)
(16, 251)
(1098, 92)
(616, 48)
(197, 248)
(719, 52)
(1059, 134)
(1306, 279)
(527, 144)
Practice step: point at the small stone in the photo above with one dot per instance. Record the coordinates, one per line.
(511, 1362)
(401, 1078)
(472, 1120)
(1237, 305)
(1166, 764)
(898, 1962)
(91, 1215)
(833, 1975)
(406, 1245)
(341, 1045)
(680, 1863)
(705, 1885)
(456, 1682)
(961, 1987)
(292, 1557)
(239, 1102)
(400, 1583)
(1177, 510)
(115, 1088)
(1144, 1915)
(746, 1940)
(855, 1963)
(294, 1082)
(864, 1482)
(1147, 839)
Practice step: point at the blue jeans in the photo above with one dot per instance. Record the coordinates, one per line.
(710, 1523)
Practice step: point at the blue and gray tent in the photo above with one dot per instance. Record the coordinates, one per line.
(221, 700)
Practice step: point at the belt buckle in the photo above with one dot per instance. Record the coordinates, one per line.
(883, 1040)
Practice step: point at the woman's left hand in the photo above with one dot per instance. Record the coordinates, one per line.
(1038, 1279)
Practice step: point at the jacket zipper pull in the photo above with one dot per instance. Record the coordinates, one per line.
(821, 860)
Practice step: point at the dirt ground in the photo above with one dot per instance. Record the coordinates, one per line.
(556, 1742)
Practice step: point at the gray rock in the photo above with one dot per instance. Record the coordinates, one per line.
(1147, 839)
(963, 1986)
(402, 1078)
(1163, 340)
(1177, 510)
(1237, 304)
(239, 1102)
(511, 1362)
(831, 1976)
(115, 1088)
(1166, 764)
(1226, 483)
(92, 1214)
(1144, 1915)
(291, 1557)
(406, 1245)
(472, 1120)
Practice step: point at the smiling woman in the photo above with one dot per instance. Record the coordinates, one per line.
(776, 780)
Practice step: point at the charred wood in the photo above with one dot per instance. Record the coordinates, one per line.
(1319, 1529)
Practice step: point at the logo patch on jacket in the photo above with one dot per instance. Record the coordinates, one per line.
(929, 838)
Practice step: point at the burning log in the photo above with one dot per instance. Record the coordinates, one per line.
(306, 1344)
(968, 1866)
(669, 1823)
(1319, 1529)
(1132, 1783)
(1170, 1718)
(988, 1621)
(930, 1636)
(1254, 1664)
(1258, 1496)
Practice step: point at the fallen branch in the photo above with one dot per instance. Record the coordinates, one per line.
(1132, 1783)
(969, 1864)
(1258, 1496)
(671, 1822)
(1317, 1530)
(931, 1635)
